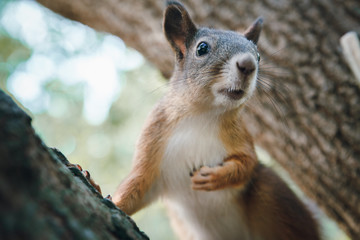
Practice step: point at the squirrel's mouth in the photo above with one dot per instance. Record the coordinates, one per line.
(234, 94)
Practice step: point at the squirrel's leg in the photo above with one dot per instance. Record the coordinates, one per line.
(136, 191)
(235, 171)
(273, 211)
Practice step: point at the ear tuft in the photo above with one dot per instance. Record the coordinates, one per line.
(252, 33)
(178, 27)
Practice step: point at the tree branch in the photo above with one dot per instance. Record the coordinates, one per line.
(39, 196)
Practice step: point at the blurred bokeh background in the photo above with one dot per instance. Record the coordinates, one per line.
(88, 95)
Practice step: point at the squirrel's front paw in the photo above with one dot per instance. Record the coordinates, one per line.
(86, 174)
(209, 178)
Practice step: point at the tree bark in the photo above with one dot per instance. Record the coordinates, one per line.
(314, 132)
(40, 198)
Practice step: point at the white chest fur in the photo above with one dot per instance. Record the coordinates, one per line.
(195, 142)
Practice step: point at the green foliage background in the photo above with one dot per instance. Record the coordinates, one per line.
(106, 147)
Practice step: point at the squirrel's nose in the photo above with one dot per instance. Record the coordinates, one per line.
(246, 65)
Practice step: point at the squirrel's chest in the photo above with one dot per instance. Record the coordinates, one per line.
(193, 143)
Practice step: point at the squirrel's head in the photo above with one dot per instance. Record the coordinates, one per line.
(214, 68)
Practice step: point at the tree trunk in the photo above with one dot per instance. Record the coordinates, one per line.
(40, 198)
(316, 135)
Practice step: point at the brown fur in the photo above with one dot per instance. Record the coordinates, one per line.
(130, 194)
(273, 211)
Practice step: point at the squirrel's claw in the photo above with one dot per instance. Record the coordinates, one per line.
(91, 181)
(75, 166)
(86, 174)
(109, 197)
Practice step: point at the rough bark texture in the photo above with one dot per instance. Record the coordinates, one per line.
(40, 198)
(319, 142)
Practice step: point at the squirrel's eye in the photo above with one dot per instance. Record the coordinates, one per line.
(202, 49)
(258, 56)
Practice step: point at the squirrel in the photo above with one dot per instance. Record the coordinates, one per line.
(195, 151)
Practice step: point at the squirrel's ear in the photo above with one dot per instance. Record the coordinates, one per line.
(178, 27)
(252, 33)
